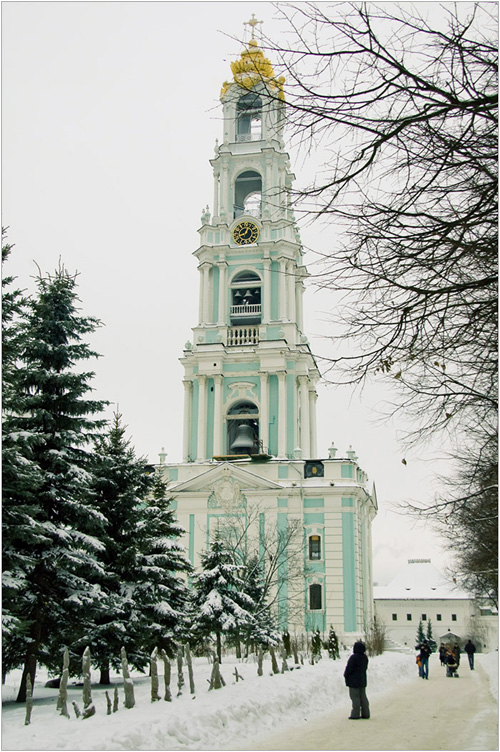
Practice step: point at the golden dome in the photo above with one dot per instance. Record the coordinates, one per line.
(251, 69)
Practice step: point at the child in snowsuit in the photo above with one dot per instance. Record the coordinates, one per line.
(355, 679)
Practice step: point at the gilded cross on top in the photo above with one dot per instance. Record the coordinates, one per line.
(253, 23)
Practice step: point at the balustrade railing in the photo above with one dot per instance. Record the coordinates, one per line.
(246, 310)
(242, 335)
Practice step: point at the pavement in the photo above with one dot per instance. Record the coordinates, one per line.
(440, 713)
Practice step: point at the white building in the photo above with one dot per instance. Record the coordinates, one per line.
(249, 455)
(420, 592)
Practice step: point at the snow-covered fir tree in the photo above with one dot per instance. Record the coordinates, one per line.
(61, 419)
(219, 604)
(162, 592)
(21, 477)
(121, 483)
(420, 633)
(333, 644)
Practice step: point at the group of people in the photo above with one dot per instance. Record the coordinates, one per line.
(449, 657)
(355, 671)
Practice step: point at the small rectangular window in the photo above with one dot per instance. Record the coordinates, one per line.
(394, 617)
(314, 547)
(438, 617)
(453, 617)
(408, 617)
(424, 617)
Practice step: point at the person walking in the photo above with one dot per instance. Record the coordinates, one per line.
(442, 654)
(470, 649)
(355, 679)
(425, 651)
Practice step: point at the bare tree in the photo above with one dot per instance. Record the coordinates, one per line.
(402, 105)
(404, 111)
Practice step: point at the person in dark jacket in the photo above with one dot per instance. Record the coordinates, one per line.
(425, 651)
(470, 649)
(355, 679)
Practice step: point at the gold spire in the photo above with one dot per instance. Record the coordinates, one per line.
(253, 68)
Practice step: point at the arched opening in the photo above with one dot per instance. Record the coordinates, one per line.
(246, 305)
(248, 194)
(243, 429)
(249, 118)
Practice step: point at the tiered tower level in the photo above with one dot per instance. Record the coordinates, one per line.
(250, 458)
(249, 356)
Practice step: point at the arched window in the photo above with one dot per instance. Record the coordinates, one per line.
(315, 597)
(314, 547)
(248, 194)
(243, 429)
(249, 118)
(246, 299)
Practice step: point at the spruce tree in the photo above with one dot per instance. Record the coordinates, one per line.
(162, 592)
(120, 485)
(333, 644)
(20, 476)
(61, 419)
(420, 633)
(219, 603)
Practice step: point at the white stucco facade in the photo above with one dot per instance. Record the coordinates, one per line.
(420, 592)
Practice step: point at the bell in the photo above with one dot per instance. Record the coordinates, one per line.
(247, 297)
(244, 441)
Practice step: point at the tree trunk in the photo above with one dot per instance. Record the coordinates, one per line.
(219, 647)
(105, 673)
(29, 669)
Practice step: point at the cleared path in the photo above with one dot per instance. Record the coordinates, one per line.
(434, 714)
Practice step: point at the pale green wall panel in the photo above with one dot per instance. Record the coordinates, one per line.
(290, 418)
(348, 572)
(273, 415)
(282, 524)
(210, 418)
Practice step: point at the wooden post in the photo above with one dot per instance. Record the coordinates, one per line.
(154, 676)
(128, 685)
(166, 675)
(189, 662)
(29, 700)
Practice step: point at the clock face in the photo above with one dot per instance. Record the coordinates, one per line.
(245, 233)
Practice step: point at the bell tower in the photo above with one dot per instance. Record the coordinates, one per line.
(249, 374)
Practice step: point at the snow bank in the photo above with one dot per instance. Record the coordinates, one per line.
(219, 719)
(488, 662)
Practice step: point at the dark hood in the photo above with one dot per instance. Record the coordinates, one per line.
(358, 647)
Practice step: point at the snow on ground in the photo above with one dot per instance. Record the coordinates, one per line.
(219, 719)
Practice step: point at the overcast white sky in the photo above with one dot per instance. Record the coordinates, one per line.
(109, 119)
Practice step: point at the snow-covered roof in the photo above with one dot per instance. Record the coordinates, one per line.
(419, 579)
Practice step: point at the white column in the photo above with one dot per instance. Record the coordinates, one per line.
(299, 290)
(206, 294)
(224, 196)
(188, 411)
(304, 418)
(291, 290)
(264, 412)
(202, 417)
(218, 383)
(281, 414)
(222, 293)
(282, 290)
(313, 396)
(216, 194)
(266, 317)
